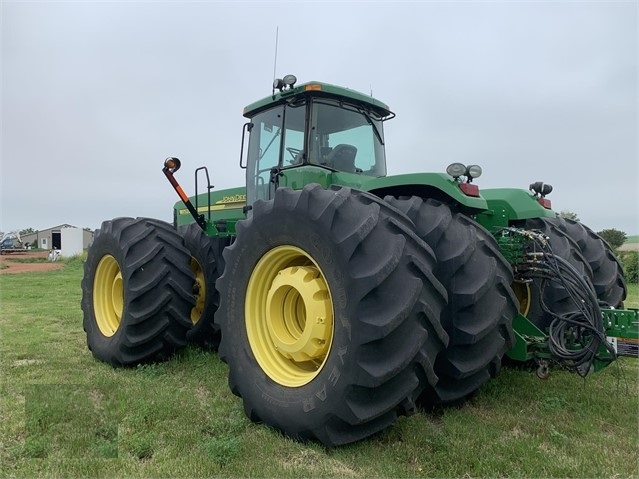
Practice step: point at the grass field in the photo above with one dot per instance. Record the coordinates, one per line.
(64, 414)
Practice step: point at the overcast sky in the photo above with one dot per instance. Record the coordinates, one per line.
(95, 95)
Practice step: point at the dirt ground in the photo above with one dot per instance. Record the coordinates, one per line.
(11, 263)
(629, 247)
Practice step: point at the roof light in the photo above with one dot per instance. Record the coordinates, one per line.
(540, 188)
(289, 80)
(473, 171)
(278, 84)
(456, 170)
(285, 83)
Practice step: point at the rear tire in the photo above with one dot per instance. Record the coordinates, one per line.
(555, 296)
(136, 292)
(205, 265)
(481, 304)
(607, 272)
(353, 264)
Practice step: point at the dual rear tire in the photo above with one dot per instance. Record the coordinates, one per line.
(481, 304)
(149, 290)
(329, 312)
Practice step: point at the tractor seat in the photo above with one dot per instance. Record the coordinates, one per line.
(342, 158)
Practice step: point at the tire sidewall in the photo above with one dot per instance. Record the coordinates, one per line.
(101, 345)
(307, 404)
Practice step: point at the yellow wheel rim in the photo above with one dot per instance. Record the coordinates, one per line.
(199, 291)
(289, 316)
(522, 292)
(108, 295)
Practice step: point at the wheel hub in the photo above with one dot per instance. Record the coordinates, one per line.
(297, 309)
(108, 295)
(289, 316)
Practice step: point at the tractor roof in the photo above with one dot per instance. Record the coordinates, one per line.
(318, 89)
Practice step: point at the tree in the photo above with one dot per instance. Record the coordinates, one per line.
(630, 262)
(614, 237)
(569, 215)
(27, 231)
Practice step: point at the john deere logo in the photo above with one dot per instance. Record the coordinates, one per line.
(228, 202)
(232, 199)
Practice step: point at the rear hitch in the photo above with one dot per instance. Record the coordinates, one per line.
(543, 368)
(583, 340)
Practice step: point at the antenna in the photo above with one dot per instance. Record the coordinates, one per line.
(277, 31)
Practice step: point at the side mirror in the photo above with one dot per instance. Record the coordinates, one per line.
(247, 127)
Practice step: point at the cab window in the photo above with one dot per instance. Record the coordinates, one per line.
(346, 138)
(277, 140)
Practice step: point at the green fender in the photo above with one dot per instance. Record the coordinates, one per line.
(506, 205)
(426, 185)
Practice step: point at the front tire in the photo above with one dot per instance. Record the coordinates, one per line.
(136, 292)
(329, 314)
(481, 304)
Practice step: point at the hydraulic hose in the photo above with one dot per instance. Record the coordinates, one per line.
(576, 336)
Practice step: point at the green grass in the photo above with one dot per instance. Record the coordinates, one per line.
(64, 414)
(632, 301)
(632, 239)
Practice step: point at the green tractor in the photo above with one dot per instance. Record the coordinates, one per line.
(340, 297)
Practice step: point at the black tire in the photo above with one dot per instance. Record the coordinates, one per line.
(371, 279)
(136, 292)
(555, 296)
(206, 259)
(607, 272)
(481, 304)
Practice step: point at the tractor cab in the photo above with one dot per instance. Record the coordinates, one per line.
(317, 128)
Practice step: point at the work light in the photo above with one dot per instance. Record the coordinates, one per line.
(456, 170)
